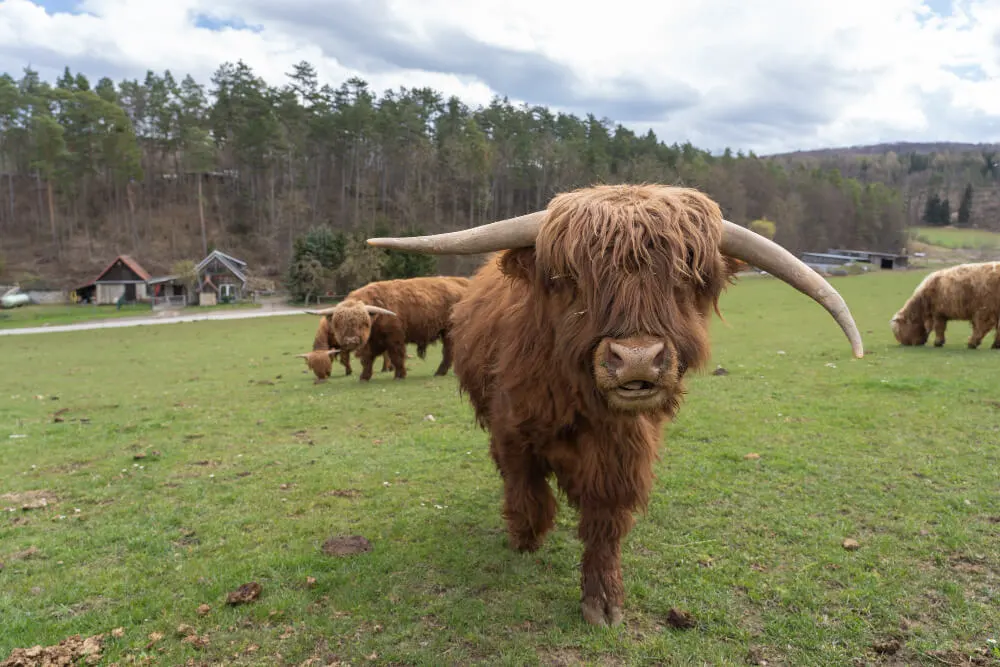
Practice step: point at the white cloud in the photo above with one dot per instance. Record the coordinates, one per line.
(772, 76)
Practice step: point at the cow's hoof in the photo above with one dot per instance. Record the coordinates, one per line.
(595, 612)
(938, 343)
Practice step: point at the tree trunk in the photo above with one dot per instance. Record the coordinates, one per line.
(201, 218)
(52, 217)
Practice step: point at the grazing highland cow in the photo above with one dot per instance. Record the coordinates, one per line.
(573, 343)
(383, 317)
(965, 292)
(325, 348)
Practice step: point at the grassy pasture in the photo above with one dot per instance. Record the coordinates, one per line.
(256, 466)
(53, 314)
(957, 239)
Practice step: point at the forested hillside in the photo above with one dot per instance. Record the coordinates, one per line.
(940, 183)
(168, 167)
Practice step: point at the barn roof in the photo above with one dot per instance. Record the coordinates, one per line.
(133, 266)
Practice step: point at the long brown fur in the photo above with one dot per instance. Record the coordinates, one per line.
(623, 262)
(969, 292)
(422, 307)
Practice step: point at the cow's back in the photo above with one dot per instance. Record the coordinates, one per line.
(422, 306)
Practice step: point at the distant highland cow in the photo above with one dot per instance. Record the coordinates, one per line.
(969, 292)
(325, 348)
(383, 317)
(572, 344)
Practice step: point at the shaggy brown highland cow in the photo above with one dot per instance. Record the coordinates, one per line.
(385, 316)
(572, 345)
(968, 292)
(325, 348)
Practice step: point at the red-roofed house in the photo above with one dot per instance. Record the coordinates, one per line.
(122, 277)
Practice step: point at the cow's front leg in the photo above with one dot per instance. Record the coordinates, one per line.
(345, 360)
(940, 324)
(446, 355)
(397, 355)
(529, 506)
(367, 364)
(602, 529)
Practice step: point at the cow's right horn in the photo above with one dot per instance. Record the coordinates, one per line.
(324, 312)
(377, 310)
(763, 253)
(516, 232)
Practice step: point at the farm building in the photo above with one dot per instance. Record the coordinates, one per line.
(123, 277)
(884, 260)
(170, 291)
(221, 279)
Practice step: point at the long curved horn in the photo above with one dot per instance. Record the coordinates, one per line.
(516, 232)
(302, 356)
(754, 249)
(332, 353)
(376, 310)
(324, 312)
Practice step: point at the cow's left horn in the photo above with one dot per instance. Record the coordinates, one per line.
(376, 310)
(516, 232)
(754, 249)
(325, 311)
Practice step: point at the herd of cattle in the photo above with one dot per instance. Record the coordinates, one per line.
(572, 342)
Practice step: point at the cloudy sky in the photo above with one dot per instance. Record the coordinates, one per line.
(764, 76)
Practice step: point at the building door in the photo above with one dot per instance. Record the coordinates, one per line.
(130, 292)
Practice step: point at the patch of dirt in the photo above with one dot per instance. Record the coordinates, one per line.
(344, 493)
(887, 647)
(346, 545)
(680, 619)
(570, 657)
(30, 552)
(66, 652)
(245, 593)
(949, 657)
(28, 500)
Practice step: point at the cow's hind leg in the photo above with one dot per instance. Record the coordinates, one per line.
(940, 324)
(386, 364)
(996, 336)
(529, 506)
(981, 325)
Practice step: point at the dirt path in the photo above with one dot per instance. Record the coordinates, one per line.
(163, 318)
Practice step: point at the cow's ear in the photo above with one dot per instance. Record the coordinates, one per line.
(518, 263)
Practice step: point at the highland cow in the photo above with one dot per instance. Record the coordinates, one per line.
(325, 348)
(385, 316)
(969, 292)
(572, 344)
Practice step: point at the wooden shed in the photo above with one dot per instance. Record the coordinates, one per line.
(123, 277)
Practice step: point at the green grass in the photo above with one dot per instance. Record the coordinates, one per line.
(898, 451)
(957, 239)
(43, 314)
